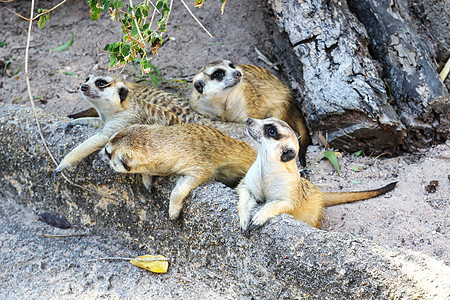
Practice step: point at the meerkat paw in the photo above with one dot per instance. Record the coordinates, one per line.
(69, 126)
(305, 173)
(244, 228)
(252, 227)
(63, 165)
(257, 222)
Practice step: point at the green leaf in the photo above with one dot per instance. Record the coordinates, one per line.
(7, 63)
(42, 21)
(105, 4)
(67, 73)
(331, 156)
(95, 9)
(3, 44)
(357, 153)
(355, 181)
(356, 169)
(65, 46)
(154, 78)
(159, 5)
(112, 60)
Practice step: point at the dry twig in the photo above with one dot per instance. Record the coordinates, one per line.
(27, 48)
(195, 18)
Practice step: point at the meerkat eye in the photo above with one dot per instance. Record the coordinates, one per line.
(272, 132)
(232, 66)
(218, 75)
(100, 83)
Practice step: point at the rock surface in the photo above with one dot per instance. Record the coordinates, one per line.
(286, 259)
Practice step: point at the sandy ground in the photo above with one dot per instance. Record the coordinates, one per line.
(408, 218)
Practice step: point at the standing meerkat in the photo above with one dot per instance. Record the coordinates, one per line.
(274, 181)
(119, 104)
(235, 93)
(195, 152)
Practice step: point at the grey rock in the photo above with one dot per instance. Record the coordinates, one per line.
(286, 259)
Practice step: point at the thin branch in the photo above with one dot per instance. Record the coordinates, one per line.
(27, 50)
(43, 13)
(195, 18)
(153, 17)
(149, 1)
(63, 235)
(129, 258)
(170, 10)
(129, 35)
(137, 25)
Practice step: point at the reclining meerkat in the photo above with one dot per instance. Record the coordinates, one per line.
(274, 181)
(119, 104)
(235, 93)
(195, 152)
(147, 94)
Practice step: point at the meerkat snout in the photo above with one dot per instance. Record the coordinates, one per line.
(84, 87)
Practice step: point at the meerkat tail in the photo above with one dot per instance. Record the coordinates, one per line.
(335, 198)
(90, 112)
(298, 123)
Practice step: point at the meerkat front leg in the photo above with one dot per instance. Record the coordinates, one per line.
(268, 211)
(89, 146)
(245, 206)
(90, 121)
(184, 185)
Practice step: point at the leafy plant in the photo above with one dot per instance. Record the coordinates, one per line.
(45, 16)
(137, 27)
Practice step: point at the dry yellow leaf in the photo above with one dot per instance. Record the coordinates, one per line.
(153, 263)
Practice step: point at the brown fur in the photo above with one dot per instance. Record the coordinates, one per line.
(195, 152)
(274, 181)
(256, 94)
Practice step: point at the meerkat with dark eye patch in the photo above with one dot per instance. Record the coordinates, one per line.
(119, 104)
(235, 93)
(273, 181)
(195, 152)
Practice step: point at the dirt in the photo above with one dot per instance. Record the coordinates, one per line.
(408, 217)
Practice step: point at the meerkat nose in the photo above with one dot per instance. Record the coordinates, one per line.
(84, 87)
(237, 74)
(249, 122)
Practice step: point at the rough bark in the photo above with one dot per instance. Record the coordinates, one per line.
(324, 50)
(285, 260)
(420, 98)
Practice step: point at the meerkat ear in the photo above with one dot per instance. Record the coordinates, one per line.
(123, 93)
(199, 86)
(288, 154)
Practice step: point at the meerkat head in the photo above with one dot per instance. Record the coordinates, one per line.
(217, 77)
(103, 92)
(116, 155)
(273, 137)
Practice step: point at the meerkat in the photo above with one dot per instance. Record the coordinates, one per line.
(147, 94)
(273, 181)
(235, 93)
(195, 152)
(118, 104)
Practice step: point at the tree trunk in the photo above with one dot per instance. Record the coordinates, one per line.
(345, 93)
